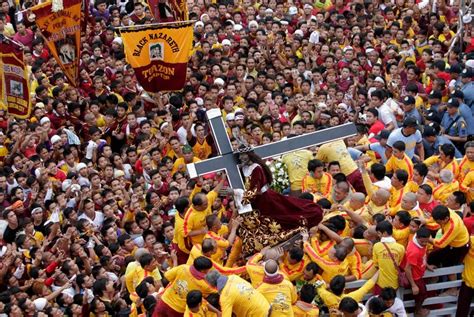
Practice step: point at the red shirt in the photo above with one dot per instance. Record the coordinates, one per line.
(416, 257)
(375, 129)
(429, 206)
(469, 223)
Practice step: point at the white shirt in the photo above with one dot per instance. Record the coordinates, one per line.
(98, 219)
(386, 115)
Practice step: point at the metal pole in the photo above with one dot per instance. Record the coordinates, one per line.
(462, 11)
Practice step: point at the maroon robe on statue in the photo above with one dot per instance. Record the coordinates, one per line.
(288, 211)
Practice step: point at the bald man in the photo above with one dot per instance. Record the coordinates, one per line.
(279, 292)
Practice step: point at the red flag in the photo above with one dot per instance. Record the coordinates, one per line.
(62, 33)
(14, 83)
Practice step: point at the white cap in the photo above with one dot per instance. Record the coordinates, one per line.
(470, 63)
(199, 101)
(253, 22)
(40, 303)
(284, 22)
(39, 105)
(292, 11)
(55, 138)
(230, 117)
(299, 33)
(347, 48)
(219, 81)
(118, 40)
(80, 166)
(379, 79)
(369, 50)
(226, 42)
(268, 11)
(118, 173)
(343, 105)
(466, 19)
(44, 120)
(307, 6)
(238, 27)
(314, 37)
(65, 185)
(198, 23)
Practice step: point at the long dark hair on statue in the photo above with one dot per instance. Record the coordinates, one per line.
(255, 159)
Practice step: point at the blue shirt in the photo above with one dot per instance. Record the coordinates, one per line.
(456, 129)
(468, 91)
(433, 148)
(410, 141)
(414, 113)
(466, 114)
(380, 150)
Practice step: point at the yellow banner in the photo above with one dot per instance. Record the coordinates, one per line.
(159, 54)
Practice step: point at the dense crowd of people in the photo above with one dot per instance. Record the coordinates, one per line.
(99, 216)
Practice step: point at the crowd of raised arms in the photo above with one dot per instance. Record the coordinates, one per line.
(99, 216)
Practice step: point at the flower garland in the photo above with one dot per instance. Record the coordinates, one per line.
(280, 175)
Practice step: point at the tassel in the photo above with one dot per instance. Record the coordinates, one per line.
(57, 5)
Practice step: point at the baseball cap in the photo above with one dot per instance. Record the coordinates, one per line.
(457, 94)
(384, 134)
(55, 138)
(226, 42)
(347, 48)
(219, 81)
(409, 100)
(199, 23)
(435, 94)
(292, 11)
(432, 116)
(453, 102)
(467, 73)
(80, 166)
(187, 149)
(410, 122)
(230, 117)
(428, 131)
(44, 120)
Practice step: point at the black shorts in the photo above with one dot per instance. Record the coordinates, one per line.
(448, 256)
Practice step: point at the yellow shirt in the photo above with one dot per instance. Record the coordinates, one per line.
(401, 236)
(239, 297)
(330, 268)
(281, 297)
(195, 220)
(412, 186)
(130, 275)
(297, 164)
(468, 272)
(294, 271)
(405, 164)
(337, 151)
(222, 245)
(179, 238)
(465, 166)
(443, 191)
(321, 186)
(395, 200)
(302, 309)
(467, 186)
(321, 248)
(203, 311)
(196, 252)
(181, 282)
(453, 166)
(180, 166)
(388, 272)
(332, 301)
(455, 233)
(135, 277)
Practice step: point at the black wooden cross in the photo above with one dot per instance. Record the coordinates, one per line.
(227, 161)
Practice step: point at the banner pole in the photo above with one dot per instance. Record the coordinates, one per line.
(153, 25)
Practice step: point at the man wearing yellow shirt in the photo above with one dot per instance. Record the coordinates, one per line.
(237, 296)
(208, 248)
(399, 180)
(467, 287)
(195, 219)
(317, 181)
(333, 295)
(453, 245)
(399, 160)
(196, 306)
(448, 186)
(183, 279)
(180, 242)
(467, 163)
(188, 157)
(445, 160)
(304, 307)
(294, 263)
(278, 291)
(401, 229)
(148, 267)
(467, 186)
(420, 171)
(296, 163)
(337, 151)
(130, 270)
(381, 256)
(214, 224)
